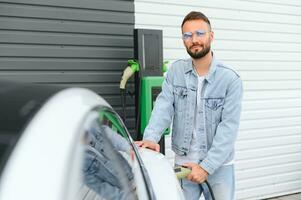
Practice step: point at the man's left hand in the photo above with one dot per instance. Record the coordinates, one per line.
(198, 174)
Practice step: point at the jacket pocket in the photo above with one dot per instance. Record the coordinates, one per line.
(180, 95)
(214, 108)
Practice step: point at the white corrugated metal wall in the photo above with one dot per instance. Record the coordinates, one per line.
(261, 39)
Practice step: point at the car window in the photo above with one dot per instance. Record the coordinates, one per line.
(106, 117)
(107, 161)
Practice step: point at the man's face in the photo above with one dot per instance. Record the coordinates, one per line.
(197, 38)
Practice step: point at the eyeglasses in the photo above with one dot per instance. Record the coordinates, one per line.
(199, 33)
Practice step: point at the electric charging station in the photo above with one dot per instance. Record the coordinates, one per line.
(148, 51)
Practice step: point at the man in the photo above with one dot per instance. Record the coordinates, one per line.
(202, 97)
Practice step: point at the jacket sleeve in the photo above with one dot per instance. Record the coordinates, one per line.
(226, 132)
(163, 111)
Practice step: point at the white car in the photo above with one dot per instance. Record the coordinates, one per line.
(69, 144)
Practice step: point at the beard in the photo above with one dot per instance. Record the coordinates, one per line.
(199, 54)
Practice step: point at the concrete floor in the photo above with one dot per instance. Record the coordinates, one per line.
(288, 197)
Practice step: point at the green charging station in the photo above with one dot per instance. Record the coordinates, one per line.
(148, 82)
(150, 89)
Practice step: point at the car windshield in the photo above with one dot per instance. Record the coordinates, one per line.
(111, 159)
(115, 122)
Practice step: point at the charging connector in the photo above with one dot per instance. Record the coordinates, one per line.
(182, 172)
(131, 68)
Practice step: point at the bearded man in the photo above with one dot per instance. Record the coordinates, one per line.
(201, 97)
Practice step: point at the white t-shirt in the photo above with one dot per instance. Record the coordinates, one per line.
(194, 153)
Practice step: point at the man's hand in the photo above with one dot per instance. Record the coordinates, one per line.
(148, 144)
(198, 174)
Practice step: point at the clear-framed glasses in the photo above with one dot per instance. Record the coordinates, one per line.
(188, 35)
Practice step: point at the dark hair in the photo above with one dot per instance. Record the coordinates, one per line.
(194, 15)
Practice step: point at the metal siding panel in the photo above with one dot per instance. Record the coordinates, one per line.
(63, 77)
(260, 124)
(63, 51)
(272, 104)
(242, 5)
(273, 85)
(267, 152)
(268, 132)
(39, 12)
(15, 37)
(269, 170)
(57, 26)
(271, 94)
(261, 40)
(67, 64)
(112, 5)
(68, 42)
(271, 113)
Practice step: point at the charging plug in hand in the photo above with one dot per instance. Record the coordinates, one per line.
(182, 172)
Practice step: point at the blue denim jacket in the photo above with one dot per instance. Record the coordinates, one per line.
(221, 99)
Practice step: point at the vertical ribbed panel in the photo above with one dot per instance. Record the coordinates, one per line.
(68, 42)
(261, 39)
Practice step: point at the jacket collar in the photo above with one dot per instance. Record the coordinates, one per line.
(210, 76)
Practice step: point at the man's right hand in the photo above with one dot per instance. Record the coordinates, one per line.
(148, 144)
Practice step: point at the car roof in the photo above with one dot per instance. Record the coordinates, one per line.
(18, 103)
